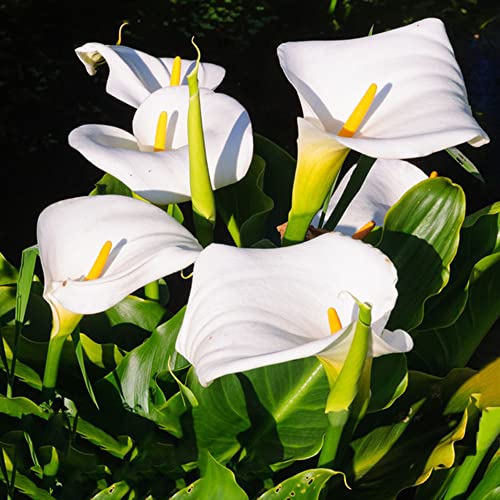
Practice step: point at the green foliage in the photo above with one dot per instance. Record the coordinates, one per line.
(421, 232)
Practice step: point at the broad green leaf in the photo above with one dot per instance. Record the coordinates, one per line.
(286, 405)
(389, 379)
(108, 184)
(134, 377)
(8, 273)
(401, 446)
(278, 180)
(420, 236)
(438, 350)
(244, 206)
(20, 406)
(143, 313)
(220, 417)
(306, 485)
(116, 491)
(479, 237)
(216, 482)
(483, 386)
(463, 474)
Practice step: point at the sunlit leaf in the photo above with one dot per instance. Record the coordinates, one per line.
(420, 236)
(216, 482)
(305, 485)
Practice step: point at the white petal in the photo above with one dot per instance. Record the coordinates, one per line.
(147, 244)
(421, 104)
(254, 307)
(133, 74)
(384, 185)
(160, 177)
(163, 177)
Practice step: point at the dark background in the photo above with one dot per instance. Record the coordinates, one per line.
(46, 92)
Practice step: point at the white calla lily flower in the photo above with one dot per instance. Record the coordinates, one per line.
(162, 176)
(143, 244)
(421, 104)
(255, 307)
(134, 75)
(386, 182)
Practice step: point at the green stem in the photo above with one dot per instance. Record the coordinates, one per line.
(296, 229)
(336, 423)
(152, 291)
(52, 365)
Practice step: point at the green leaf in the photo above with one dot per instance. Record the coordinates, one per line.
(483, 385)
(220, 417)
(49, 459)
(400, 447)
(7, 299)
(136, 385)
(479, 237)
(118, 447)
(362, 169)
(8, 273)
(489, 430)
(116, 491)
(286, 405)
(143, 313)
(22, 371)
(438, 350)
(389, 379)
(421, 233)
(244, 206)
(465, 163)
(216, 482)
(81, 363)
(25, 280)
(278, 180)
(110, 185)
(488, 488)
(306, 485)
(105, 356)
(20, 406)
(21, 482)
(174, 211)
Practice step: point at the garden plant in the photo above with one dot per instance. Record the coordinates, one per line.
(218, 319)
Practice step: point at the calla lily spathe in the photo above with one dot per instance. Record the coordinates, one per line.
(146, 244)
(134, 75)
(411, 90)
(386, 182)
(162, 177)
(255, 307)
(421, 105)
